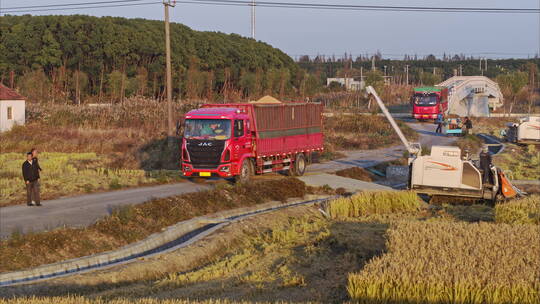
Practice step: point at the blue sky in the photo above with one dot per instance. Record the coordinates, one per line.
(301, 31)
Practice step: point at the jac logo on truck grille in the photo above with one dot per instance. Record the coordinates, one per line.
(205, 144)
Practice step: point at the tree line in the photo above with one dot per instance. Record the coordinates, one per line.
(74, 58)
(427, 70)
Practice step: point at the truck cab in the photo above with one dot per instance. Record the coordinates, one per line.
(428, 102)
(215, 141)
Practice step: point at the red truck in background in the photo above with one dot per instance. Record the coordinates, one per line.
(428, 102)
(239, 140)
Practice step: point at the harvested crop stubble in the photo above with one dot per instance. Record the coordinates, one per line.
(520, 211)
(356, 173)
(370, 202)
(449, 262)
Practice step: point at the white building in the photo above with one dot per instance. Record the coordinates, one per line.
(349, 83)
(12, 108)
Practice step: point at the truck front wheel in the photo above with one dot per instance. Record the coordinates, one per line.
(300, 164)
(246, 171)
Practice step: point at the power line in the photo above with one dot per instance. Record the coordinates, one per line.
(296, 5)
(71, 4)
(75, 6)
(366, 7)
(79, 7)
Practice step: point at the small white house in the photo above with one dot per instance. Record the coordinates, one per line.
(12, 108)
(349, 83)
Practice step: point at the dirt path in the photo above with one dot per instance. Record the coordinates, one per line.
(82, 210)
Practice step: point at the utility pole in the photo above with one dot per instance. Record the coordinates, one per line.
(166, 4)
(253, 19)
(407, 74)
(460, 70)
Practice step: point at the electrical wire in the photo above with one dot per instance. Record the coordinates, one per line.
(75, 6)
(295, 5)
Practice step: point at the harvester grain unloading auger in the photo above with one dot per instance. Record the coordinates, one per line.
(445, 173)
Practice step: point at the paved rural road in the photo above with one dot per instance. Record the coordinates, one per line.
(82, 210)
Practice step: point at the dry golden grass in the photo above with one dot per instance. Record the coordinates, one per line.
(362, 132)
(520, 211)
(84, 300)
(371, 202)
(453, 262)
(298, 259)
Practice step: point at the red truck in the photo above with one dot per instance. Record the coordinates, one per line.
(239, 140)
(428, 102)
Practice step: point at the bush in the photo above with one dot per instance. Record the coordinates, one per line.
(366, 203)
(520, 211)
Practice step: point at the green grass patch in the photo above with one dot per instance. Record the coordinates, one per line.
(520, 162)
(73, 173)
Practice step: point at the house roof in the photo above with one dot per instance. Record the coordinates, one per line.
(9, 94)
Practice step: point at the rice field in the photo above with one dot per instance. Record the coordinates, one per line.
(367, 203)
(72, 173)
(520, 211)
(453, 262)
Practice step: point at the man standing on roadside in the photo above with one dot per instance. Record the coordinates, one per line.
(34, 152)
(30, 173)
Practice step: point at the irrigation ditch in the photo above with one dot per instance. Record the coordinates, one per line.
(174, 237)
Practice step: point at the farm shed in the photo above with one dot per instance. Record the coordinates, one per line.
(12, 108)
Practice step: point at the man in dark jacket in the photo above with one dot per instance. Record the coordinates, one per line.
(467, 123)
(30, 173)
(485, 165)
(34, 152)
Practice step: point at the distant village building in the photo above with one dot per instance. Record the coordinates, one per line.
(348, 83)
(12, 108)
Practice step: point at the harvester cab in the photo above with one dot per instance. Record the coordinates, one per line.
(446, 172)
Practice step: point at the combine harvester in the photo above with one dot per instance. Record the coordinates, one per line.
(527, 131)
(445, 173)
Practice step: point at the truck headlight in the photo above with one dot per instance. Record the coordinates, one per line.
(224, 169)
(187, 168)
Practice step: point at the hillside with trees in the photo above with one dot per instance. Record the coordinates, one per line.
(80, 58)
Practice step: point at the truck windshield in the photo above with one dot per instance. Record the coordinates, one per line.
(219, 129)
(425, 100)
